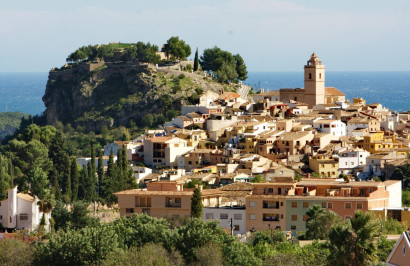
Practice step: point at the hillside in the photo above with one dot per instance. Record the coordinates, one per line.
(94, 94)
(10, 122)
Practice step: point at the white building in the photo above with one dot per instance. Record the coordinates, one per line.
(352, 162)
(85, 160)
(372, 125)
(20, 211)
(224, 215)
(163, 151)
(334, 127)
(141, 172)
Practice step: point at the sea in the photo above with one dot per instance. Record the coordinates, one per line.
(23, 91)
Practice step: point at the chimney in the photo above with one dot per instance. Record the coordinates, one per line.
(307, 175)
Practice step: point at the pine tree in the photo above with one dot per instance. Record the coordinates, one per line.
(4, 186)
(53, 176)
(75, 179)
(100, 172)
(196, 204)
(82, 188)
(108, 184)
(196, 60)
(67, 192)
(11, 172)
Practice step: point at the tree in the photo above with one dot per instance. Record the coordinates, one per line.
(87, 246)
(406, 197)
(148, 120)
(109, 183)
(258, 179)
(177, 48)
(196, 61)
(100, 172)
(240, 67)
(15, 252)
(319, 222)
(149, 254)
(75, 179)
(38, 183)
(223, 64)
(402, 172)
(67, 190)
(196, 204)
(352, 243)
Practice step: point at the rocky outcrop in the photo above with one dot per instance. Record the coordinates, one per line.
(112, 94)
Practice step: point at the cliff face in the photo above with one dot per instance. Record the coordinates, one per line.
(113, 94)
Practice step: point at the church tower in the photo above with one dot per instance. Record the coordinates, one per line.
(314, 81)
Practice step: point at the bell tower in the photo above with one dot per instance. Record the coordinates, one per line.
(314, 81)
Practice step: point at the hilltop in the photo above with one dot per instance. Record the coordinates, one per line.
(122, 90)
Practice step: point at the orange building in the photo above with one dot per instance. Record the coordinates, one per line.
(164, 199)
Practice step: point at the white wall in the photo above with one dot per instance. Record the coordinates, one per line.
(224, 223)
(394, 195)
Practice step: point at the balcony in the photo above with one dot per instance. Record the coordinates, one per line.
(175, 205)
(270, 205)
(271, 217)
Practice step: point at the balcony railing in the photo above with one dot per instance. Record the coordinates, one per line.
(175, 205)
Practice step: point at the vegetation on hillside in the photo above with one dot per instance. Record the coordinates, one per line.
(223, 65)
(10, 122)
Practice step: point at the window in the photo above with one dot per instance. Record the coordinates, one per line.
(348, 205)
(129, 210)
(146, 211)
(1, 217)
(294, 204)
(305, 217)
(281, 203)
(330, 205)
(305, 204)
(370, 190)
(237, 216)
(293, 227)
(351, 163)
(252, 204)
(270, 190)
(404, 250)
(236, 227)
(23, 217)
(310, 76)
(323, 204)
(359, 206)
(294, 217)
(223, 216)
(209, 216)
(252, 217)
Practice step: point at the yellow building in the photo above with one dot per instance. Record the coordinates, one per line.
(378, 143)
(324, 165)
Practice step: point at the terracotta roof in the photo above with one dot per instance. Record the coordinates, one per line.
(328, 182)
(333, 91)
(229, 95)
(25, 196)
(294, 135)
(238, 186)
(159, 139)
(325, 121)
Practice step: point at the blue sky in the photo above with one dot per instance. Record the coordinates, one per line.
(271, 35)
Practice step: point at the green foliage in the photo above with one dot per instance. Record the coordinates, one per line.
(392, 226)
(177, 48)
(222, 64)
(76, 218)
(319, 222)
(196, 204)
(143, 52)
(402, 172)
(149, 254)
(384, 248)
(406, 197)
(140, 229)
(77, 247)
(258, 179)
(196, 61)
(14, 252)
(352, 243)
(10, 122)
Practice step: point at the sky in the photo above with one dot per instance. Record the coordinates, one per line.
(271, 35)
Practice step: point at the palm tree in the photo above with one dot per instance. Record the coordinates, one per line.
(45, 207)
(353, 242)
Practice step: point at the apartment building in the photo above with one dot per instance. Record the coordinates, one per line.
(324, 165)
(334, 127)
(372, 125)
(163, 151)
(164, 199)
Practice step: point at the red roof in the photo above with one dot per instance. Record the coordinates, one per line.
(229, 95)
